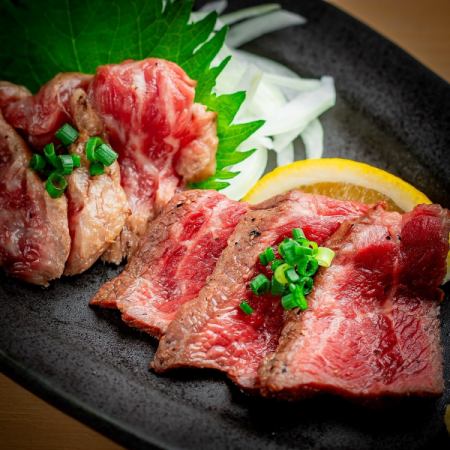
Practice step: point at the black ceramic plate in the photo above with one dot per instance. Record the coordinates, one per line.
(391, 112)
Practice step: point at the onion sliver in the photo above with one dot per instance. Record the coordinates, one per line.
(251, 170)
(218, 6)
(312, 137)
(253, 28)
(301, 110)
(247, 13)
(286, 156)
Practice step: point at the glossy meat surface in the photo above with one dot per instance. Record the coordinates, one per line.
(372, 327)
(211, 331)
(162, 137)
(177, 254)
(39, 116)
(98, 206)
(34, 234)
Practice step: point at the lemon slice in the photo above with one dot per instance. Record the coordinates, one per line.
(339, 178)
(342, 179)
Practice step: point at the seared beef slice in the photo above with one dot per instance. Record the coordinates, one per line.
(163, 138)
(211, 331)
(177, 254)
(372, 327)
(97, 206)
(34, 233)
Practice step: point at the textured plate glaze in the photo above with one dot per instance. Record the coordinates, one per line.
(391, 112)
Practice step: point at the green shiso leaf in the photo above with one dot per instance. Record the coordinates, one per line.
(42, 38)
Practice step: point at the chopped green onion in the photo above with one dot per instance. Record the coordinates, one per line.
(55, 185)
(76, 160)
(276, 264)
(301, 264)
(303, 247)
(37, 162)
(260, 284)
(288, 301)
(289, 249)
(292, 276)
(267, 256)
(65, 164)
(96, 168)
(313, 246)
(324, 256)
(276, 288)
(297, 233)
(279, 273)
(91, 145)
(49, 152)
(67, 134)
(105, 154)
(246, 307)
(311, 267)
(307, 284)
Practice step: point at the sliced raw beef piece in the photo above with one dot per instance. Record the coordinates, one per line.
(10, 92)
(162, 137)
(372, 326)
(211, 331)
(39, 116)
(174, 259)
(98, 206)
(34, 235)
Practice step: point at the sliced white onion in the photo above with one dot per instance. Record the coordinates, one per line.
(286, 155)
(289, 104)
(301, 110)
(247, 13)
(251, 170)
(218, 6)
(253, 28)
(281, 141)
(297, 83)
(312, 137)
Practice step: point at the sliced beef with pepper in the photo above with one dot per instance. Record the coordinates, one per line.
(212, 331)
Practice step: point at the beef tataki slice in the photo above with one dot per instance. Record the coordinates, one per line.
(163, 138)
(211, 331)
(372, 326)
(34, 233)
(174, 259)
(98, 207)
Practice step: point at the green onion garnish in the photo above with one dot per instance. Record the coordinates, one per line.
(76, 160)
(276, 288)
(50, 154)
(260, 284)
(293, 271)
(105, 154)
(324, 256)
(297, 233)
(246, 307)
(65, 164)
(311, 267)
(67, 134)
(37, 162)
(91, 145)
(96, 168)
(307, 284)
(279, 273)
(291, 275)
(55, 185)
(276, 264)
(288, 301)
(267, 256)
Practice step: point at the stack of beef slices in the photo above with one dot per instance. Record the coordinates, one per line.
(372, 326)
(145, 110)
